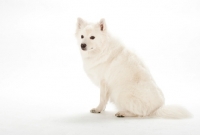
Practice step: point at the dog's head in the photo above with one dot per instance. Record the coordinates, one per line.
(90, 37)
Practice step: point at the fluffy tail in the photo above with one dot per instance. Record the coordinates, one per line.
(172, 112)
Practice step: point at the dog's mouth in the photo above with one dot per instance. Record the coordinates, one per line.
(85, 49)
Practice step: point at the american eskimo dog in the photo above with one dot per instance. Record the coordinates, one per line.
(121, 75)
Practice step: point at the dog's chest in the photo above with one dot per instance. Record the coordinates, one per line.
(95, 72)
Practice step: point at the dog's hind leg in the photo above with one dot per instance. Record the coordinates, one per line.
(125, 114)
(132, 106)
(103, 98)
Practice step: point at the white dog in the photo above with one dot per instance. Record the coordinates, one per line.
(121, 75)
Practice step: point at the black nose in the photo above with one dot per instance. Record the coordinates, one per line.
(83, 45)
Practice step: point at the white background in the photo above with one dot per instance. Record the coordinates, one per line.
(44, 90)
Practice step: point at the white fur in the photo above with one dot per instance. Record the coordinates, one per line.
(121, 75)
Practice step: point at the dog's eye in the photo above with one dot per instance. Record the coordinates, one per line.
(92, 37)
(82, 36)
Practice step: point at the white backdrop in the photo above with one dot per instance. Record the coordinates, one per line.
(44, 90)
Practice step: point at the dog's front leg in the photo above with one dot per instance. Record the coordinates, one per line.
(103, 98)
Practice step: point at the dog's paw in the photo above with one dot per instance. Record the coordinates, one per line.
(119, 114)
(94, 110)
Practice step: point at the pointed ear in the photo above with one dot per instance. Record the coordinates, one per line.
(80, 23)
(102, 25)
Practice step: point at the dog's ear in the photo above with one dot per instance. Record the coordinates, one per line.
(102, 25)
(80, 23)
